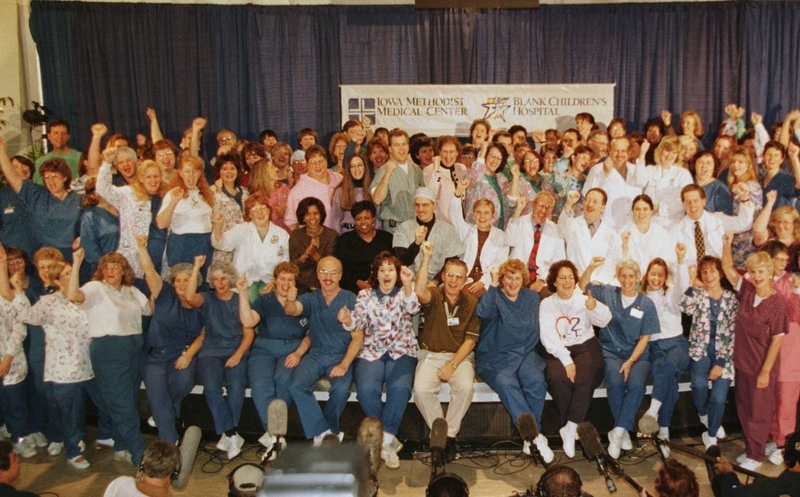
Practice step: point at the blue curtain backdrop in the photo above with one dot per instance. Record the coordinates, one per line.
(249, 67)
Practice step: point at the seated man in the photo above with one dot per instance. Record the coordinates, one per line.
(334, 347)
(448, 337)
(160, 463)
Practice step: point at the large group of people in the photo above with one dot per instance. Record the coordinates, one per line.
(548, 261)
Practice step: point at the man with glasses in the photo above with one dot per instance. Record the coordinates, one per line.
(335, 345)
(448, 337)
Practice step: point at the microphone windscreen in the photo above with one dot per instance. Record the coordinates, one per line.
(590, 440)
(648, 425)
(528, 429)
(277, 418)
(439, 433)
(370, 436)
(191, 441)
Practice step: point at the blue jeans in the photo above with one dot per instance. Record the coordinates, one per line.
(669, 358)
(225, 410)
(166, 389)
(398, 374)
(115, 360)
(13, 401)
(523, 391)
(71, 400)
(709, 402)
(305, 376)
(624, 398)
(269, 378)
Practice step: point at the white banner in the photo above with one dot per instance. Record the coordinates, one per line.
(450, 109)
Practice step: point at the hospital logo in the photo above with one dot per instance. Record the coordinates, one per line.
(359, 108)
(496, 108)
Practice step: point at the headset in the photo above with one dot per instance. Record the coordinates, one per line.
(172, 477)
(541, 486)
(791, 453)
(447, 484)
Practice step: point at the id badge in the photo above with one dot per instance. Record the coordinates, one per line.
(452, 321)
(637, 313)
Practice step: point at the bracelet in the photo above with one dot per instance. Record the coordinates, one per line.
(453, 365)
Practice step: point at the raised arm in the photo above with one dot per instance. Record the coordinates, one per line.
(382, 190)
(586, 277)
(11, 175)
(191, 288)
(164, 217)
(247, 315)
(421, 282)
(99, 130)
(727, 260)
(788, 125)
(155, 129)
(151, 276)
(194, 145)
(793, 151)
(761, 224)
(74, 293)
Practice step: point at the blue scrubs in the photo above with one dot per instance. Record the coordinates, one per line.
(329, 344)
(619, 338)
(56, 223)
(15, 223)
(505, 356)
(99, 236)
(157, 237)
(223, 337)
(278, 335)
(173, 328)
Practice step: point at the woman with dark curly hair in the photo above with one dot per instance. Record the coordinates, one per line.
(389, 353)
(310, 242)
(114, 308)
(574, 356)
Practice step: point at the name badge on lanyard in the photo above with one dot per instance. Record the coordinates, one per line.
(452, 319)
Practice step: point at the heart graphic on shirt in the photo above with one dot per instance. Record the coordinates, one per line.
(567, 327)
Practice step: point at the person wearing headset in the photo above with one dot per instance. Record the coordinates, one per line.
(727, 484)
(160, 465)
(10, 471)
(560, 481)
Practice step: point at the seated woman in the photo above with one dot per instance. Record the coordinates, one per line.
(505, 356)
(278, 347)
(310, 242)
(173, 340)
(68, 369)
(713, 307)
(669, 350)
(223, 357)
(484, 245)
(633, 319)
(258, 244)
(389, 353)
(574, 356)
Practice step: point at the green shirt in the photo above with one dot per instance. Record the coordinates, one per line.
(73, 158)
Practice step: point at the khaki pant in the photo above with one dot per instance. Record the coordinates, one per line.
(427, 386)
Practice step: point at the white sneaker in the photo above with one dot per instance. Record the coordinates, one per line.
(55, 448)
(107, 442)
(769, 448)
(389, 457)
(341, 436)
(567, 441)
(268, 440)
(750, 464)
(78, 462)
(123, 455)
(627, 444)
(741, 458)
(544, 448)
(721, 432)
(224, 443)
(614, 443)
(665, 451)
(151, 422)
(39, 439)
(708, 441)
(318, 438)
(526, 447)
(776, 457)
(236, 443)
(24, 449)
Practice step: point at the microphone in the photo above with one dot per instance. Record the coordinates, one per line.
(188, 450)
(277, 420)
(438, 443)
(648, 427)
(370, 436)
(711, 459)
(529, 430)
(590, 440)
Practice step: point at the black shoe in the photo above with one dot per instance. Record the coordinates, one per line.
(451, 450)
(714, 452)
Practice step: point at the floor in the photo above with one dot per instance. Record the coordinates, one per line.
(499, 472)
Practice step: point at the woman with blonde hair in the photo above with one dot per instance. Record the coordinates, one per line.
(265, 179)
(663, 181)
(782, 224)
(742, 177)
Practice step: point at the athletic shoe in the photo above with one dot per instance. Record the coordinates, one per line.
(151, 422)
(626, 441)
(750, 464)
(526, 447)
(123, 455)
(224, 443)
(567, 441)
(769, 448)
(24, 449)
(55, 448)
(389, 457)
(318, 439)
(451, 450)
(708, 441)
(614, 443)
(236, 443)
(78, 462)
(4, 432)
(107, 442)
(544, 449)
(39, 439)
(776, 457)
(721, 432)
(741, 458)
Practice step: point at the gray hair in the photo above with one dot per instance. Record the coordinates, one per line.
(121, 151)
(183, 267)
(224, 267)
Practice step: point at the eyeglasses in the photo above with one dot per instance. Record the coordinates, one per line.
(495, 156)
(51, 176)
(112, 267)
(167, 153)
(16, 262)
(530, 161)
(259, 208)
(565, 277)
(226, 139)
(455, 276)
(326, 272)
